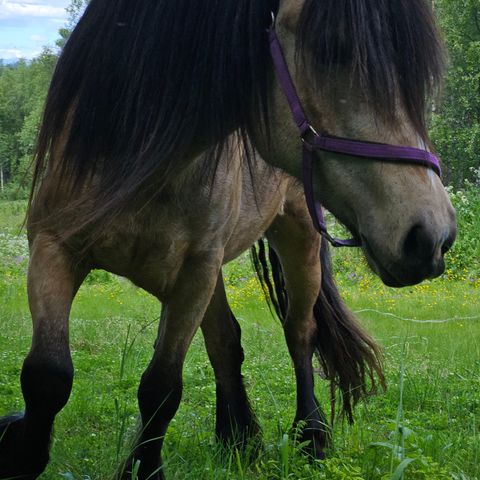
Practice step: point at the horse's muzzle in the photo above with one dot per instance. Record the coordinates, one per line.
(421, 255)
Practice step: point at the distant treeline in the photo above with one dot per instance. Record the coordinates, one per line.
(454, 123)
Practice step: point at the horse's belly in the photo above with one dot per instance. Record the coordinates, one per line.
(256, 216)
(151, 259)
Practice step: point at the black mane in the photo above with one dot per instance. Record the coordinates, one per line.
(391, 47)
(141, 82)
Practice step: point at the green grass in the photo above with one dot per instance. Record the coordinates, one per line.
(429, 415)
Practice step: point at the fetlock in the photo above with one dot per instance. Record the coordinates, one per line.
(18, 456)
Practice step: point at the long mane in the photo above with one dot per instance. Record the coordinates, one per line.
(141, 83)
(391, 47)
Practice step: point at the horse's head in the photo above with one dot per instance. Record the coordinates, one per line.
(363, 70)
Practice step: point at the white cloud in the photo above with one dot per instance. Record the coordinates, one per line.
(36, 9)
(16, 53)
(38, 38)
(10, 53)
(25, 25)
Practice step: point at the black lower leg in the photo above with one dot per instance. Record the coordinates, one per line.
(25, 439)
(160, 389)
(310, 421)
(159, 396)
(235, 420)
(47, 372)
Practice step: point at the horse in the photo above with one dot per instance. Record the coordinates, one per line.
(162, 154)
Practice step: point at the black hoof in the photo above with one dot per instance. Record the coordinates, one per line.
(246, 442)
(17, 460)
(132, 470)
(313, 439)
(314, 449)
(246, 438)
(128, 475)
(239, 436)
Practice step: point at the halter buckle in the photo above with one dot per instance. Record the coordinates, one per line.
(273, 20)
(308, 130)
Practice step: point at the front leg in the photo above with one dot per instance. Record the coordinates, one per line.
(160, 389)
(309, 417)
(235, 420)
(297, 246)
(47, 373)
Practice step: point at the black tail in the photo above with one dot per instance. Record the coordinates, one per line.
(350, 358)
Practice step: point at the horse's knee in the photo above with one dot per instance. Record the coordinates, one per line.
(46, 384)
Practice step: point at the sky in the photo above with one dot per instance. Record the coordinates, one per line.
(28, 25)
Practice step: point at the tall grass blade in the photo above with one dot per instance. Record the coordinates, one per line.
(400, 470)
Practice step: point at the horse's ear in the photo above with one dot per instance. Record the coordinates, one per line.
(289, 13)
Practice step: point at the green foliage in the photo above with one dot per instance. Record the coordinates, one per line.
(99, 277)
(464, 259)
(23, 87)
(13, 191)
(13, 247)
(74, 11)
(455, 126)
(238, 272)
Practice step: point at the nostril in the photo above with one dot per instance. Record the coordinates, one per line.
(446, 247)
(448, 243)
(419, 244)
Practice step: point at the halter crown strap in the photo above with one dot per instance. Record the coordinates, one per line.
(286, 83)
(344, 146)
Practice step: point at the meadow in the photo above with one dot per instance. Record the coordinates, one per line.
(425, 426)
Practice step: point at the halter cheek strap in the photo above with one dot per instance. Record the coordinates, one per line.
(314, 141)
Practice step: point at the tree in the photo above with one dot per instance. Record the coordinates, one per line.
(455, 127)
(23, 88)
(40, 72)
(75, 11)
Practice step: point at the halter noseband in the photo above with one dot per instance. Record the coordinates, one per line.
(313, 141)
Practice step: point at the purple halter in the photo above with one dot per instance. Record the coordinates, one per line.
(334, 144)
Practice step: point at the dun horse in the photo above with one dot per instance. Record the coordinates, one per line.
(148, 165)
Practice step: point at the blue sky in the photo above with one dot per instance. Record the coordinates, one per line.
(27, 25)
